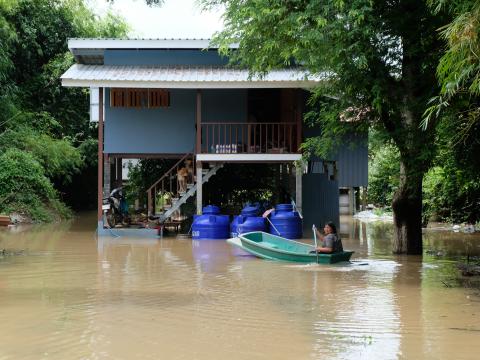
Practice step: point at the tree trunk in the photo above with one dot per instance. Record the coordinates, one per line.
(407, 211)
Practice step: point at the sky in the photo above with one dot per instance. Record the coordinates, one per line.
(174, 19)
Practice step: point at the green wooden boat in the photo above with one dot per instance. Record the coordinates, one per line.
(272, 247)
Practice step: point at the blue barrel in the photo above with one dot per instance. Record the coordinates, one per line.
(211, 210)
(210, 225)
(242, 224)
(251, 210)
(286, 221)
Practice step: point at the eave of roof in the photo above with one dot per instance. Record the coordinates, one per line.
(83, 43)
(187, 77)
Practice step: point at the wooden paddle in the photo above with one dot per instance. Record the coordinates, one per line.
(265, 215)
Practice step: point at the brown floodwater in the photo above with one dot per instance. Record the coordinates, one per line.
(69, 295)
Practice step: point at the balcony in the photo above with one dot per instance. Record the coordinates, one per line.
(249, 138)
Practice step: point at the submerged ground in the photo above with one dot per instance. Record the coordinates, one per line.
(69, 295)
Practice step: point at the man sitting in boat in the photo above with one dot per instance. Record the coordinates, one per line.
(331, 242)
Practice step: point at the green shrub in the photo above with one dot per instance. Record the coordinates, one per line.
(451, 194)
(24, 188)
(57, 156)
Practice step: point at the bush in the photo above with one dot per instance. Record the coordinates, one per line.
(451, 194)
(57, 156)
(24, 188)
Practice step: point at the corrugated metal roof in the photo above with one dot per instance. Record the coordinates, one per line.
(183, 77)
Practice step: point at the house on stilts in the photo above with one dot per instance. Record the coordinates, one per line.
(179, 99)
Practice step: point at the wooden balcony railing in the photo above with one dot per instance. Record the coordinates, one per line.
(250, 138)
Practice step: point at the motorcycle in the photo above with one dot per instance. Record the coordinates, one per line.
(115, 209)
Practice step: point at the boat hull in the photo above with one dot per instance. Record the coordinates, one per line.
(268, 246)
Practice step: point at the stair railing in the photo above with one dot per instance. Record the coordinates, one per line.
(168, 186)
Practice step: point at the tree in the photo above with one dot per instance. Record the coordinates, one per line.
(40, 119)
(378, 59)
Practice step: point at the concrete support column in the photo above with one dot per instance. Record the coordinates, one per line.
(199, 188)
(298, 187)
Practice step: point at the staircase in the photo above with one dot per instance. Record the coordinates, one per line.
(191, 190)
(166, 196)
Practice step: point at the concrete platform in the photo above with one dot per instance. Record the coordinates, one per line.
(126, 232)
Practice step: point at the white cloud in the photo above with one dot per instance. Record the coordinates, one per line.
(174, 19)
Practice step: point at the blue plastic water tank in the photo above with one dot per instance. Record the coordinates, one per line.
(286, 221)
(251, 209)
(244, 223)
(210, 225)
(211, 210)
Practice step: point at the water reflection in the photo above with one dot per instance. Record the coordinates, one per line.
(74, 296)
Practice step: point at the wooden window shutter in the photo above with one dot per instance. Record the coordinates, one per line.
(158, 98)
(139, 98)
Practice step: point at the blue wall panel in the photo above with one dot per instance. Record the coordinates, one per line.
(163, 57)
(224, 105)
(352, 163)
(319, 201)
(351, 155)
(169, 130)
(152, 131)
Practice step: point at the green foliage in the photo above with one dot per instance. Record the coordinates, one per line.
(24, 188)
(459, 68)
(383, 175)
(452, 194)
(162, 199)
(237, 184)
(39, 51)
(142, 176)
(38, 116)
(433, 196)
(452, 188)
(58, 157)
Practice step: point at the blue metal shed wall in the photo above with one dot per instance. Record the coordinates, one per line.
(169, 130)
(351, 155)
(163, 57)
(352, 162)
(319, 201)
